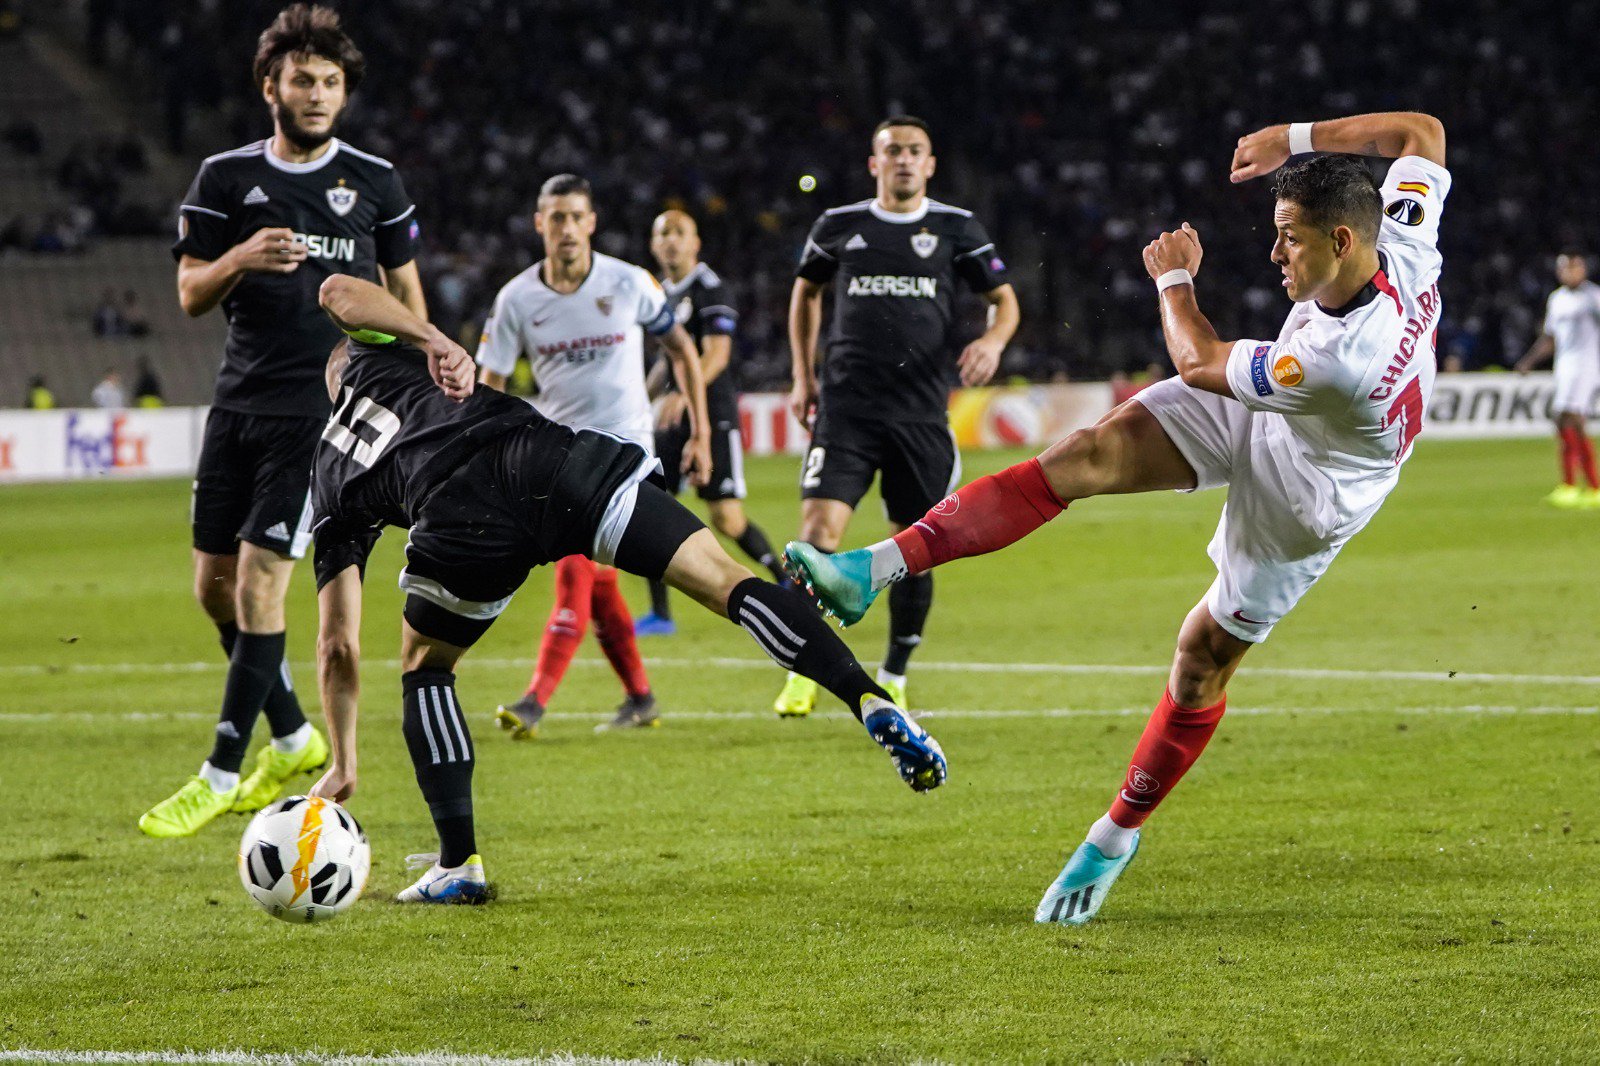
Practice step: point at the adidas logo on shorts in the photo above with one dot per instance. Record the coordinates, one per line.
(278, 531)
(255, 196)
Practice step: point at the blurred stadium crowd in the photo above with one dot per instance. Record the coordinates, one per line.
(1074, 130)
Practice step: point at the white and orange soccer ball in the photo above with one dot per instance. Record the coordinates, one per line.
(304, 859)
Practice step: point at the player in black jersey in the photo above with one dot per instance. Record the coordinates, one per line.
(891, 363)
(489, 489)
(697, 296)
(259, 230)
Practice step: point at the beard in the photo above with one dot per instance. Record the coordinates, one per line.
(303, 139)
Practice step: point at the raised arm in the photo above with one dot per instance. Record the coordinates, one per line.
(1200, 356)
(1390, 134)
(805, 325)
(339, 678)
(369, 312)
(203, 283)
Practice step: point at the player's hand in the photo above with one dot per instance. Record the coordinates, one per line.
(671, 410)
(338, 784)
(270, 251)
(1259, 153)
(979, 360)
(452, 368)
(696, 463)
(1176, 250)
(803, 401)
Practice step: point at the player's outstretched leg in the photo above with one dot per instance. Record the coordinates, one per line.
(1177, 732)
(1127, 451)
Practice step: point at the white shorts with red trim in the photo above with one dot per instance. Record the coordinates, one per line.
(1281, 526)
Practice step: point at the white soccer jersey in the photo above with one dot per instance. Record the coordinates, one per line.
(1341, 396)
(586, 347)
(1572, 318)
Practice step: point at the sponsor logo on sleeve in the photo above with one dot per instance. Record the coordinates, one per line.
(1258, 370)
(997, 264)
(1405, 211)
(416, 230)
(1286, 371)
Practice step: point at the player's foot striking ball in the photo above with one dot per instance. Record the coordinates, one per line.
(1308, 432)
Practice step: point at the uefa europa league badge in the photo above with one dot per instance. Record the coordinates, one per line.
(341, 198)
(924, 243)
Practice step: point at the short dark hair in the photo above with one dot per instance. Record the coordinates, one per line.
(902, 120)
(308, 30)
(1334, 190)
(567, 185)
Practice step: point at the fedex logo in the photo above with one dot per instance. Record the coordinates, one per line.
(94, 451)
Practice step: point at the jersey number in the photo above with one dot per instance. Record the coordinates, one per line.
(361, 428)
(1406, 412)
(812, 476)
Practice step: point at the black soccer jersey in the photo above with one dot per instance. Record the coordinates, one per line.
(353, 215)
(701, 305)
(394, 439)
(891, 354)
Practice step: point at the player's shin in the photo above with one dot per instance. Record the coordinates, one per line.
(787, 627)
(569, 618)
(981, 517)
(753, 542)
(909, 603)
(442, 754)
(613, 625)
(253, 668)
(1173, 739)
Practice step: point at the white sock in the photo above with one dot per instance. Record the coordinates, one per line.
(888, 565)
(294, 741)
(219, 780)
(1112, 839)
(885, 678)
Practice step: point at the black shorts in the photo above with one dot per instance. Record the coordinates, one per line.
(534, 496)
(254, 483)
(918, 461)
(727, 461)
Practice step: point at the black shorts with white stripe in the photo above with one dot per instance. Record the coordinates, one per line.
(253, 483)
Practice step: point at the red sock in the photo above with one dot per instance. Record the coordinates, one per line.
(613, 625)
(564, 632)
(1173, 739)
(982, 517)
(1585, 449)
(1569, 456)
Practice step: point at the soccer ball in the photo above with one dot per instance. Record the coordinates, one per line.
(304, 859)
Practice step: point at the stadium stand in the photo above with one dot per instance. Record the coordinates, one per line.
(1045, 123)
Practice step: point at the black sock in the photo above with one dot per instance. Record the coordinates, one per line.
(441, 752)
(754, 543)
(255, 662)
(660, 602)
(909, 601)
(282, 706)
(793, 635)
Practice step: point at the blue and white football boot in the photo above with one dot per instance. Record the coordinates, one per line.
(841, 583)
(916, 755)
(1077, 894)
(459, 884)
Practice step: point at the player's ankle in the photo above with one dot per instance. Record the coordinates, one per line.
(889, 561)
(1112, 839)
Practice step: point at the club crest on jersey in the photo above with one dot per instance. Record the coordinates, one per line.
(603, 303)
(1405, 211)
(924, 243)
(342, 198)
(1286, 371)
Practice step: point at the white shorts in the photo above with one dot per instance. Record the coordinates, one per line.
(1577, 381)
(1280, 525)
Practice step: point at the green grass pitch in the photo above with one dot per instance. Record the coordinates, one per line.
(1376, 860)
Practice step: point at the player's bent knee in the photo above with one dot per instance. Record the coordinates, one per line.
(442, 639)
(702, 570)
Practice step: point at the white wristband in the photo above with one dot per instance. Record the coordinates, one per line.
(1300, 138)
(1175, 276)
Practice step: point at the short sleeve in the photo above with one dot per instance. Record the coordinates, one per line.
(717, 316)
(396, 232)
(501, 342)
(976, 261)
(204, 229)
(338, 549)
(1413, 193)
(1297, 377)
(653, 313)
(819, 260)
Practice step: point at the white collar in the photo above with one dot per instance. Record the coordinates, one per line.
(301, 168)
(879, 212)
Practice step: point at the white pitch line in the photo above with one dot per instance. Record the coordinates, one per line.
(1113, 669)
(941, 713)
(228, 1057)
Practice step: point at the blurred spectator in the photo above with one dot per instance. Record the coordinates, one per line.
(108, 315)
(135, 323)
(108, 394)
(39, 398)
(147, 387)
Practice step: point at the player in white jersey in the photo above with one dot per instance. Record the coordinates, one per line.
(1571, 333)
(1308, 432)
(580, 318)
